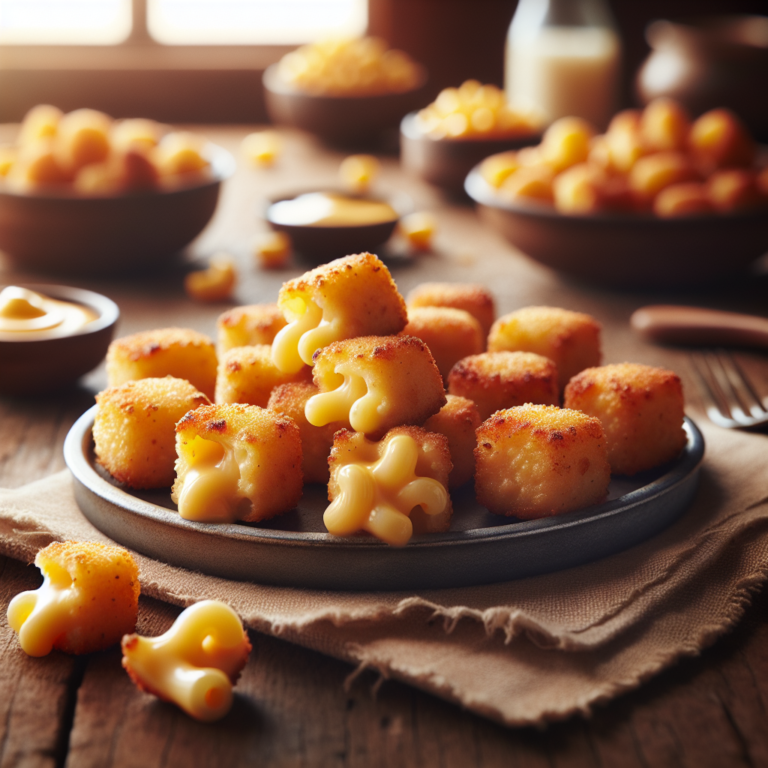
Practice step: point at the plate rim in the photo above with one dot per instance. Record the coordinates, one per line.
(78, 463)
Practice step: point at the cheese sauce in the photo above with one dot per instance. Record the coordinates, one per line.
(330, 209)
(25, 313)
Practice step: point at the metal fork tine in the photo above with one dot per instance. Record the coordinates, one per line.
(741, 385)
(732, 399)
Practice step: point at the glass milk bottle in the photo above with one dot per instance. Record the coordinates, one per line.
(563, 58)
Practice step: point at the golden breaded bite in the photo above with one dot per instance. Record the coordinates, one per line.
(236, 462)
(353, 296)
(449, 333)
(392, 488)
(195, 663)
(457, 420)
(179, 352)
(316, 442)
(472, 298)
(495, 380)
(248, 375)
(249, 325)
(134, 429)
(570, 339)
(88, 600)
(374, 383)
(535, 461)
(640, 408)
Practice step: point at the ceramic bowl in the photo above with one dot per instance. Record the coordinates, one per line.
(323, 243)
(446, 162)
(69, 234)
(626, 250)
(45, 362)
(338, 119)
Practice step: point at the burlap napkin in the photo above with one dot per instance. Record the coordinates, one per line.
(520, 652)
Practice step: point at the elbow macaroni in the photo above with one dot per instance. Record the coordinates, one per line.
(195, 663)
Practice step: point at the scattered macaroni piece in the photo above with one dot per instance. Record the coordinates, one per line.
(179, 352)
(262, 148)
(418, 229)
(374, 383)
(88, 600)
(134, 430)
(236, 462)
(534, 461)
(570, 339)
(353, 296)
(195, 663)
(272, 250)
(473, 111)
(215, 283)
(375, 487)
(249, 325)
(349, 67)
(358, 172)
(640, 408)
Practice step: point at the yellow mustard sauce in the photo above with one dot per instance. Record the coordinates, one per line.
(330, 209)
(25, 312)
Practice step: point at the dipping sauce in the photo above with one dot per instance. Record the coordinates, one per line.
(330, 209)
(25, 312)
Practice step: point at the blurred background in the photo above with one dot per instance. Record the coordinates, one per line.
(201, 61)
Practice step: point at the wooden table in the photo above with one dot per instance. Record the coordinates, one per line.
(293, 708)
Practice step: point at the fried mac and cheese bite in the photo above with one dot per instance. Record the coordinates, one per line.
(570, 339)
(374, 383)
(316, 442)
(88, 600)
(236, 462)
(353, 296)
(179, 352)
(535, 461)
(134, 430)
(248, 325)
(496, 380)
(458, 420)
(472, 298)
(195, 663)
(248, 375)
(392, 488)
(640, 408)
(449, 333)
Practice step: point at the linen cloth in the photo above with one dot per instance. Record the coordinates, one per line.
(520, 652)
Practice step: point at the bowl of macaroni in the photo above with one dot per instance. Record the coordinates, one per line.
(81, 193)
(658, 200)
(344, 91)
(442, 142)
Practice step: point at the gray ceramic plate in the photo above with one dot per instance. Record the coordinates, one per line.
(293, 550)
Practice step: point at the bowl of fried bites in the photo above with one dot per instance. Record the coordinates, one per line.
(345, 91)
(657, 200)
(81, 193)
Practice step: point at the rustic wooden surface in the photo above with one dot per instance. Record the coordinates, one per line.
(292, 707)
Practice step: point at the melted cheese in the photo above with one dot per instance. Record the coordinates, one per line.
(325, 407)
(24, 312)
(210, 491)
(378, 497)
(194, 662)
(41, 616)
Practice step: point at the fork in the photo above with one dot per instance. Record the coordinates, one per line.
(731, 399)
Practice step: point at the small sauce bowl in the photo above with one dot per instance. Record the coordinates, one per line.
(321, 242)
(37, 362)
